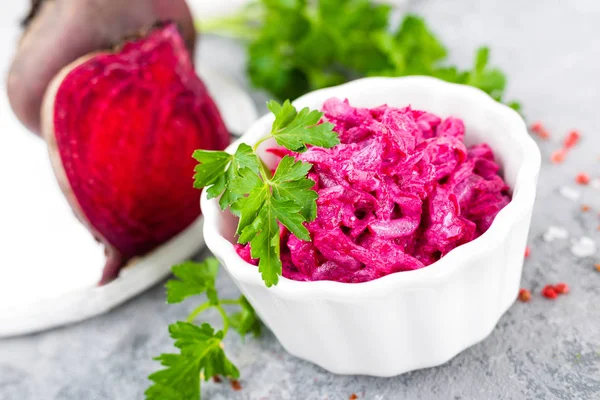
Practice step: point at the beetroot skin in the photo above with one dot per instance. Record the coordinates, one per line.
(57, 32)
(398, 193)
(121, 128)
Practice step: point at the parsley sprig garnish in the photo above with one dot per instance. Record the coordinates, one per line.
(263, 200)
(201, 351)
(327, 42)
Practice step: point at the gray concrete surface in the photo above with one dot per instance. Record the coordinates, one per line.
(539, 350)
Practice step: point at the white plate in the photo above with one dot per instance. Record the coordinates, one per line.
(81, 298)
(49, 263)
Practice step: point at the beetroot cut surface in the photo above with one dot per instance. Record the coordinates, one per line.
(122, 132)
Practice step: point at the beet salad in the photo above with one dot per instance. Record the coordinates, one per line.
(399, 192)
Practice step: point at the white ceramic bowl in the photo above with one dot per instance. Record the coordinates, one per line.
(407, 320)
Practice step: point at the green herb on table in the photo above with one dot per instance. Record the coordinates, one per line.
(260, 198)
(201, 352)
(296, 46)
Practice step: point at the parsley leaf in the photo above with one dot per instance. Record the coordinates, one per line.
(211, 166)
(491, 81)
(216, 170)
(200, 352)
(290, 182)
(200, 348)
(263, 200)
(194, 279)
(294, 130)
(288, 213)
(300, 192)
(268, 204)
(413, 49)
(266, 247)
(251, 205)
(328, 42)
(245, 321)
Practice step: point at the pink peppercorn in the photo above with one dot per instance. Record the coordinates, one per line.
(549, 292)
(524, 295)
(561, 288)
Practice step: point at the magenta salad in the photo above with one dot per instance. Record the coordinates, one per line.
(398, 193)
(378, 191)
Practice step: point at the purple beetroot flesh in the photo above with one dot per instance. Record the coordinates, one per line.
(121, 128)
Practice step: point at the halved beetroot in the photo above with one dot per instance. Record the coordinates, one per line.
(121, 128)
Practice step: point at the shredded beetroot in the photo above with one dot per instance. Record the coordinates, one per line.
(398, 193)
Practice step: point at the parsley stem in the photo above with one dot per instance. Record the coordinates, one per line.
(225, 319)
(230, 302)
(264, 170)
(243, 25)
(197, 311)
(205, 306)
(261, 141)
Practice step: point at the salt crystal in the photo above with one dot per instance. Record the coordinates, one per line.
(584, 247)
(595, 183)
(555, 232)
(570, 193)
